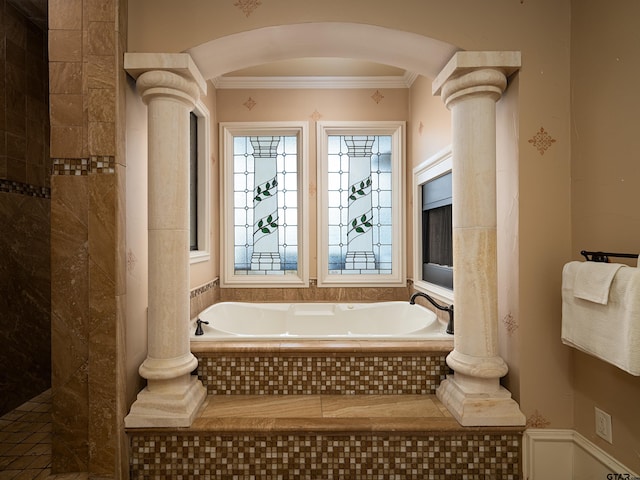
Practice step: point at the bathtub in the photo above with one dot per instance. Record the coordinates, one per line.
(318, 321)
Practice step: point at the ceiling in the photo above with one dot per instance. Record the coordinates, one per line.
(317, 72)
(319, 67)
(35, 10)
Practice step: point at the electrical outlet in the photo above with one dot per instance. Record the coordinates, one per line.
(603, 425)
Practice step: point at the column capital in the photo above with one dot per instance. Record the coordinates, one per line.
(475, 69)
(180, 64)
(163, 84)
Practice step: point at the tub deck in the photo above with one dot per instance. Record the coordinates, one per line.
(325, 413)
(323, 346)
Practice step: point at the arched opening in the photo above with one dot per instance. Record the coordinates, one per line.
(413, 52)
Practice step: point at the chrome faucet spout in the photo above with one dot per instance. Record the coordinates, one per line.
(448, 309)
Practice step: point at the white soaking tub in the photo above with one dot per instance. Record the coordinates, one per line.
(318, 321)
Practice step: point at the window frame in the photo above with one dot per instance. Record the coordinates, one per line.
(395, 129)
(203, 253)
(228, 277)
(435, 166)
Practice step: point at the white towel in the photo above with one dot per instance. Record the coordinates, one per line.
(593, 281)
(610, 332)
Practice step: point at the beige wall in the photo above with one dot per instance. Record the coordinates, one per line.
(204, 272)
(428, 132)
(541, 31)
(136, 239)
(300, 105)
(605, 64)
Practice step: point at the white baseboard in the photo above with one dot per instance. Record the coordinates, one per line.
(565, 454)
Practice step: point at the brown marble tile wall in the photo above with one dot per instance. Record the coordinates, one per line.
(24, 112)
(25, 274)
(25, 302)
(69, 322)
(313, 456)
(87, 39)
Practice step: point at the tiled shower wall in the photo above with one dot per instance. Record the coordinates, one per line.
(25, 275)
(87, 40)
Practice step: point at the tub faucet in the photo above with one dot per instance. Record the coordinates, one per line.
(448, 309)
(199, 326)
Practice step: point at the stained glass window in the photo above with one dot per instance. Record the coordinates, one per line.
(361, 204)
(265, 205)
(359, 193)
(263, 194)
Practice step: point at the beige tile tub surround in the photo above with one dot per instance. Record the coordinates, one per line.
(470, 85)
(169, 85)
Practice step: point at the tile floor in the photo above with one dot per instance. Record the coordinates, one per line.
(25, 442)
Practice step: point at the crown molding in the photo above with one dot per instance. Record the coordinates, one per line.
(308, 82)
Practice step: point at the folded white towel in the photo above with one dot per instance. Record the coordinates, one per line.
(610, 332)
(593, 281)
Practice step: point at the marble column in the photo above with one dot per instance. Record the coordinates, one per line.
(470, 85)
(169, 85)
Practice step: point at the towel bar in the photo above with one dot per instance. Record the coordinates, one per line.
(604, 256)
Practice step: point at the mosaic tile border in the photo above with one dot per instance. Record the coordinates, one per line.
(277, 374)
(204, 288)
(313, 456)
(9, 186)
(84, 166)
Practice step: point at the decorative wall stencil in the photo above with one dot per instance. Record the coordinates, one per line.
(315, 116)
(536, 420)
(542, 141)
(250, 103)
(377, 97)
(420, 128)
(247, 6)
(131, 261)
(510, 323)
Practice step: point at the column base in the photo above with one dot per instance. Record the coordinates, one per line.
(170, 407)
(472, 409)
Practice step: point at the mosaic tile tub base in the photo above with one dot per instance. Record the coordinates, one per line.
(205, 456)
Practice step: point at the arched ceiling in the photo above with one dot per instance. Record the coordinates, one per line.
(321, 50)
